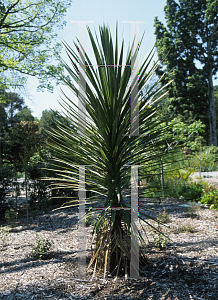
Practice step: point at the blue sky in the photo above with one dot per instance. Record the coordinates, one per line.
(100, 12)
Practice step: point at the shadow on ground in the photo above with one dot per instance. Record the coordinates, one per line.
(185, 280)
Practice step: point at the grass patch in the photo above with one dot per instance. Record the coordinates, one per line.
(185, 228)
(163, 217)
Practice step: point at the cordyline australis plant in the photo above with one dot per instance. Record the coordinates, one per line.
(107, 149)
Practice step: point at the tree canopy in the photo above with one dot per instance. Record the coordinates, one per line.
(28, 40)
(49, 120)
(24, 115)
(191, 35)
(12, 110)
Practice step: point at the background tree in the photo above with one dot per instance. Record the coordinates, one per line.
(24, 115)
(12, 110)
(26, 140)
(50, 119)
(28, 31)
(191, 35)
(14, 104)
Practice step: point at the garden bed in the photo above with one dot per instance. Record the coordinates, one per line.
(186, 269)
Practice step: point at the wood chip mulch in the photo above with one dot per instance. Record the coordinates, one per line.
(186, 269)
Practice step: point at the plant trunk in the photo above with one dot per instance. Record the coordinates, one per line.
(115, 255)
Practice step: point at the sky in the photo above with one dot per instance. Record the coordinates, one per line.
(99, 12)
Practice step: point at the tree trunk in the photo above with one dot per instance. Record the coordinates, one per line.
(27, 208)
(0, 144)
(200, 161)
(211, 110)
(11, 111)
(162, 178)
(212, 116)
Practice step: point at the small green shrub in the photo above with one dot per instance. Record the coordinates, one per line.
(160, 236)
(210, 198)
(214, 206)
(191, 192)
(208, 188)
(41, 247)
(185, 228)
(4, 234)
(176, 180)
(160, 241)
(163, 217)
